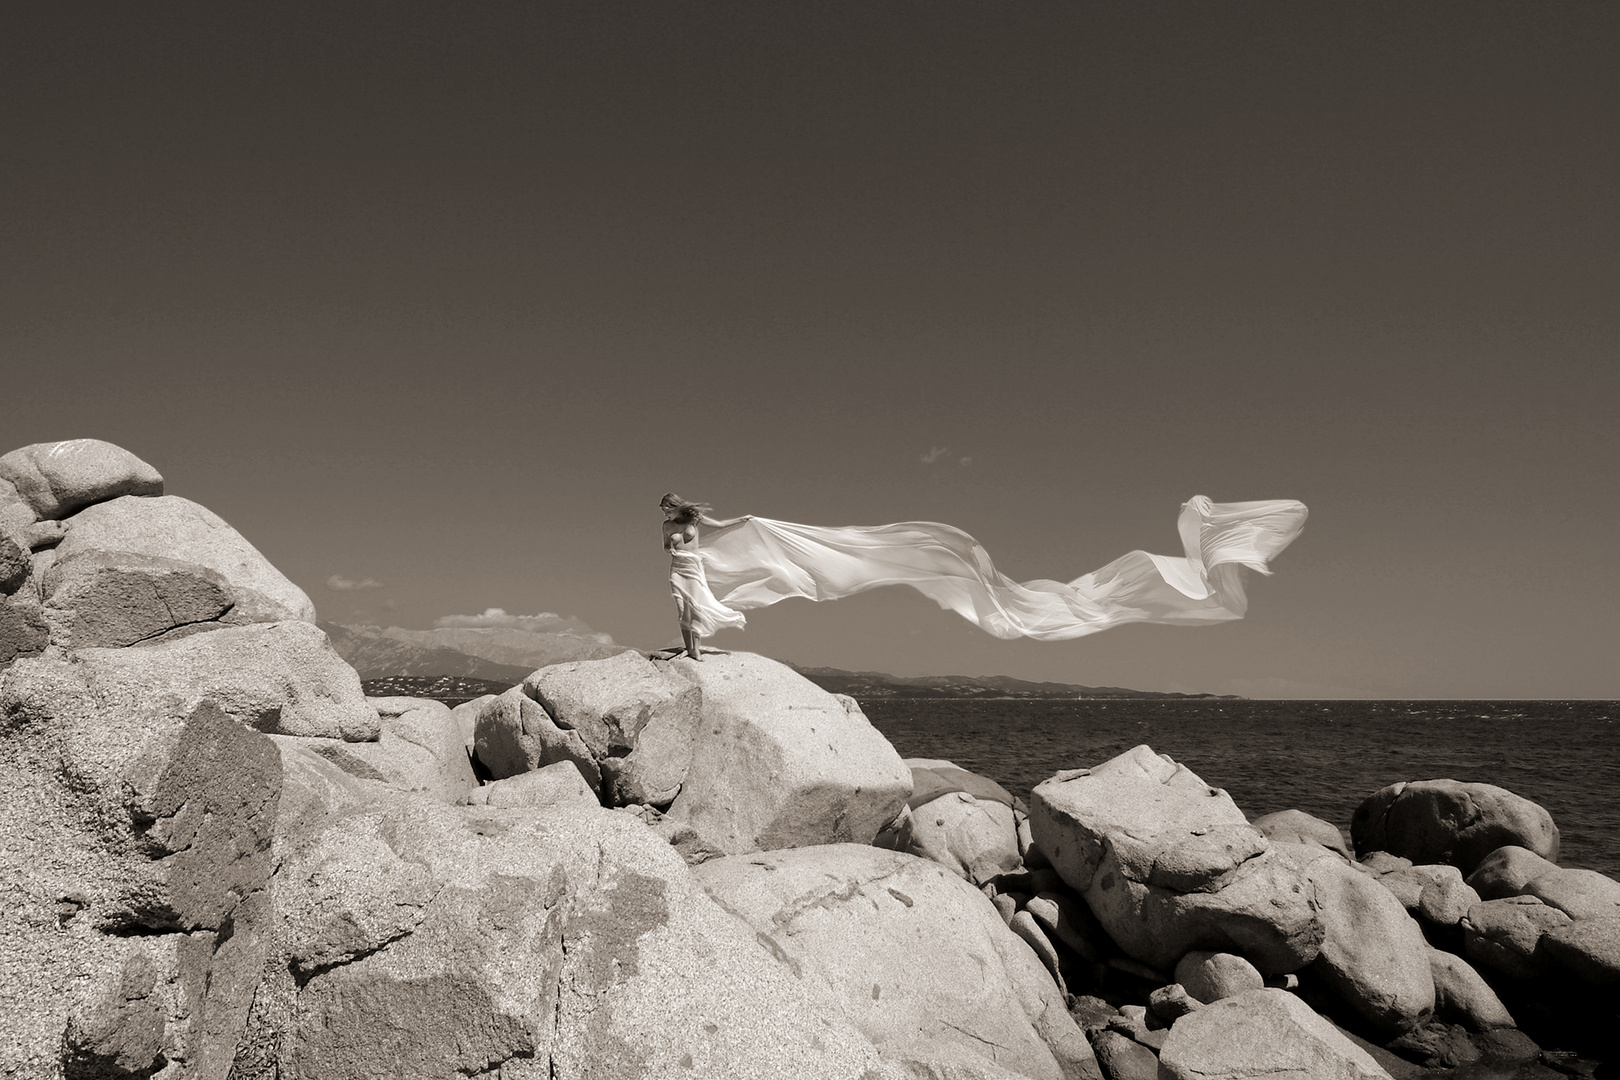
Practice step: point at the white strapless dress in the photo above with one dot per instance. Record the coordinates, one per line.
(698, 605)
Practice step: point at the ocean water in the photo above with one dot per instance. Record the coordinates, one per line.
(1322, 757)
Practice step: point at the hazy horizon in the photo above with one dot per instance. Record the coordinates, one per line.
(434, 304)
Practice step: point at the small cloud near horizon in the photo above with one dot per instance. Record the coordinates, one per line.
(339, 583)
(545, 622)
(938, 452)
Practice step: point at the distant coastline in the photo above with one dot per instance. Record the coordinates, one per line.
(862, 685)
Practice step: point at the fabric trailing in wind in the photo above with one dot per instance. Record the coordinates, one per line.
(758, 562)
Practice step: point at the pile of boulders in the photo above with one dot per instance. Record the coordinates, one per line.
(221, 859)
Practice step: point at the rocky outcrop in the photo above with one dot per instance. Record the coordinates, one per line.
(413, 938)
(222, 861)
(1506, 871)
(1213, 976)
(1501, 935)
(913, 956)
(1462, 996)
(552, 785)
(1444, 821)
(1586, 952)
(1298, 827)
(513, 734)
(638, 720)
(1170, 864)
(1580, 894)
(136, 859)
(125, 565)
(778, 762)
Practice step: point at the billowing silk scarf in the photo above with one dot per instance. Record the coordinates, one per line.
(759, 562)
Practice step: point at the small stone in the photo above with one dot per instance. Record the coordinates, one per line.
(1171, 1003)
(1123, 1058)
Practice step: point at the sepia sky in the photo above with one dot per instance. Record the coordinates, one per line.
(433, 302)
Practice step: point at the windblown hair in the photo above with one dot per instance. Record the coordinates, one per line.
(684, 511)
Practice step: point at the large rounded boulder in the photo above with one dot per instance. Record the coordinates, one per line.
(1268, 1033)
(1374, 955)
(961, 820)
(107, 545)
(1170, 865)
(56, 479)
(636, 718)
(1446, 821)
(778, 762)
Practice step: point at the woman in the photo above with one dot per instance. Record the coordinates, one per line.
(700, 613)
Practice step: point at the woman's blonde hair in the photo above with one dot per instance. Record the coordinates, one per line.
(685, 511)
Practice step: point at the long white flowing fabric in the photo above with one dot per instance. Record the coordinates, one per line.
(760, 562)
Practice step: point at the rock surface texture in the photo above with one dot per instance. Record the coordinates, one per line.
(637, 718)
(1373, 953)
(281, 678)
(913, 955)
(180, 531)
(136, 861)
(419, 749)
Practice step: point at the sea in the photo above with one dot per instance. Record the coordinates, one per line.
(1322, 757)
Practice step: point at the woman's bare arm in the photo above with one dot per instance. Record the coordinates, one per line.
(721, 523)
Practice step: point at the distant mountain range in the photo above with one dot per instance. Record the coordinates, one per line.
(508, 655)
(505, 655)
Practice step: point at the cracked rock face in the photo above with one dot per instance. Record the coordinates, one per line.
(109, 600)
(637, 718)
(426, 940)
(1169, 864)
(915, 956)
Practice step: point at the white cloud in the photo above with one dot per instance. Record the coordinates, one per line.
(545, 622)
(966, 462)
(935, 454)
(339, 583)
